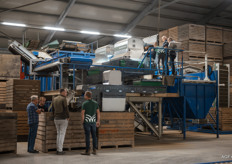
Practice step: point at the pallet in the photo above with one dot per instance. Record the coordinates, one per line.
(227, 35)
(8, 132)
(191, 31)
(46, 134)
(19, 93)
(214, 34)
(116, 129)
(9, 66)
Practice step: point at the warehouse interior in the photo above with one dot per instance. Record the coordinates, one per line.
(160, 71)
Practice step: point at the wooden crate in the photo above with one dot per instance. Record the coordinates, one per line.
(2, 94)
(191, 32)
(22, 123)
(227, 35)
(9, 66)
(227, 50)
(195, 49)
(225, 118)
(162, 33)
(8, 132)
(116, 129)
(173, 33)
(46, 134)
(214, 34)
(214, 50)
(19, 93)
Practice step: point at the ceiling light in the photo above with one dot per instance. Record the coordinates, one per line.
(90, 32)
(122, 36)
(53, 28)
(14, 24)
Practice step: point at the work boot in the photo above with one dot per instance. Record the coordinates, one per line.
(94, 152)
(60, 152)
(86, 152)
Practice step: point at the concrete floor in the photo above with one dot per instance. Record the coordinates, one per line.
(197, 148)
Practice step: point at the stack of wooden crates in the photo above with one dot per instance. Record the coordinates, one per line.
(9, 69)
(116, 129)
(197, 40)
(8, 133)
(46, 134)
(18, 93)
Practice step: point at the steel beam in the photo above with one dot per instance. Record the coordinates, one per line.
(163, 6)
(60, 20)
(144, 118)
(143, 99)
(221, 7)
(139, 17)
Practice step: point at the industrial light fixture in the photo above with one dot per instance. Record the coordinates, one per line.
(53, 28)
(14, 24)
(122, 36)
(90, 32)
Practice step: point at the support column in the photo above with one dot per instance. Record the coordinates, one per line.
(184, 120)
(74, 86)
(160, 118)
(61, 76)
(217, 110)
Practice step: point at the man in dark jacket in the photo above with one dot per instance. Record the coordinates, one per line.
(172, 55)
(89, 111)
(33, 120)
(61, 118)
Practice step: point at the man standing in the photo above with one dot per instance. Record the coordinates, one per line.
(172, 54)
(88, 116)
(61, 118)
(42, 101)
(33, 119)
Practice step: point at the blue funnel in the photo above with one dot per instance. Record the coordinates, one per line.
(199, 97)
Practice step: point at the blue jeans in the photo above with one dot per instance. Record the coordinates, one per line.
(90, 128)
(32, 136)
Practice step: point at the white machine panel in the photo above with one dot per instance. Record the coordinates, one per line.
(131, 48)
(112, 77)
(151, 39)
(103, 54)
(113, 104)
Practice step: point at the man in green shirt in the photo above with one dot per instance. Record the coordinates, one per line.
(89, 111)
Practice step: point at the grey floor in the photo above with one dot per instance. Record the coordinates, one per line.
(197, 148)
